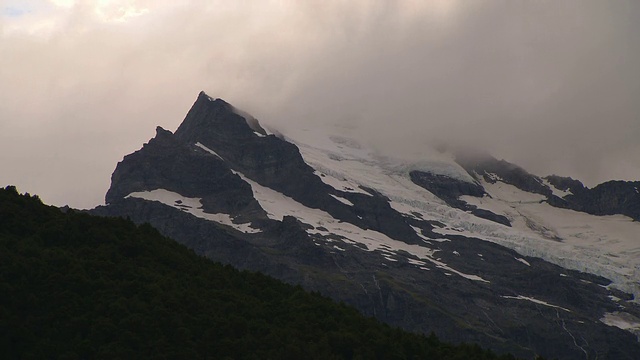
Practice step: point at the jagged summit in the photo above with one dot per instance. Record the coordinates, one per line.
(160, 132)
(218, 120)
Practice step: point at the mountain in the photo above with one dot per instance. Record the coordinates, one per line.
(76, 286)
(454, 242)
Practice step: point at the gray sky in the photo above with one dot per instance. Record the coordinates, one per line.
(551, 85)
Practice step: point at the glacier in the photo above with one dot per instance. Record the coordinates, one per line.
(607, 246)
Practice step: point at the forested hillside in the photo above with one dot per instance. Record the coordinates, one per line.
(75, 286)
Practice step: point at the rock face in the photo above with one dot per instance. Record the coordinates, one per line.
(609, 198)
(226, 188)
(450, 190)
(491, 169)
(566, 184)
(167, 163)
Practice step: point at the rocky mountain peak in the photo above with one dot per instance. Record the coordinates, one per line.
(215, 120)
(162, 133)
(462, 244)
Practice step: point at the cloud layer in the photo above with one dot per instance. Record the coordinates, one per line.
(552, 86)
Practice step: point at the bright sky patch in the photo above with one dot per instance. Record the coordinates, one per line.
(11, 11)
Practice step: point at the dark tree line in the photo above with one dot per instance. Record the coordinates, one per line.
(75, 286)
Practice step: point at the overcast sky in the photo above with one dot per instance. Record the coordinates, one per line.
(553, 86)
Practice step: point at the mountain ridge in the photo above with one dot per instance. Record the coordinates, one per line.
(335, 217)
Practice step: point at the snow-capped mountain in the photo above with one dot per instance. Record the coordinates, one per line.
(454, 242)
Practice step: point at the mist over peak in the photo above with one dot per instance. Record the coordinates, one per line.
(550, 86)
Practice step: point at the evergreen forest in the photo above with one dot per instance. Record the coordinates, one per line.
(76, 286)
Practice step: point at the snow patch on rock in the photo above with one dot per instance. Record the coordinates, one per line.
(342, 200)
(192, 206)
(208, 150)
(533, 300)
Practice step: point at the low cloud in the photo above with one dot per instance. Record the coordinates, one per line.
(551, 86)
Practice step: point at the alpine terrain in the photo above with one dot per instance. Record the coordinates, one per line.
(458, 243)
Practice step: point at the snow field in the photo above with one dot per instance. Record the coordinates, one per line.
(192, 206)
(608, 246)
(278, 205)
